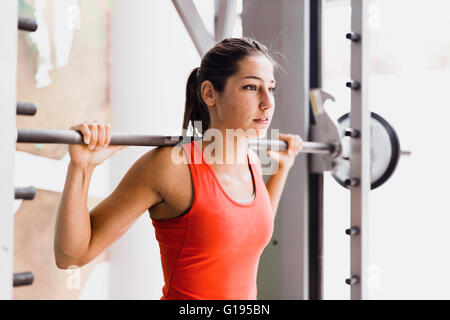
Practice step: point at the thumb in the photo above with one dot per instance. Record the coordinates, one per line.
(117, 148)
(274, 155)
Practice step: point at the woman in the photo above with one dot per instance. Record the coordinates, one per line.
(212, 217)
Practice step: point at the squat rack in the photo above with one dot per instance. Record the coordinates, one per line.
(226, 15)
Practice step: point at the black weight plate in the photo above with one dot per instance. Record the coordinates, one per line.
(394, 147)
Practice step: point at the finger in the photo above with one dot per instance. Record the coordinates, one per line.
(295, 143)
(84, 130)
(107, 134)
(282, 137)
(101, 136)
(290, 140)
(275, 155)
(285, 135)
(290, 150)
(298, 142)
(94, 135)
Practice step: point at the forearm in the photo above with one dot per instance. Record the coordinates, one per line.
(275, 185)
(73, 224)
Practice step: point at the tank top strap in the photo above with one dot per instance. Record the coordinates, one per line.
(191, 158)
(203, 178)
(196, 166)
(193, 155)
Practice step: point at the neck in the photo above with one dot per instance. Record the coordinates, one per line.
(222, 148)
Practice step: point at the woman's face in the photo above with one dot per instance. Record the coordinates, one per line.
(247, 98)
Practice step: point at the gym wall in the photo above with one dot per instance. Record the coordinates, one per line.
(63, 68)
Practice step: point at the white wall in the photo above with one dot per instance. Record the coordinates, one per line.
(408, 214)
(152, 56)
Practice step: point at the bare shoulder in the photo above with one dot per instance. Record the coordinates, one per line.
(165, 164)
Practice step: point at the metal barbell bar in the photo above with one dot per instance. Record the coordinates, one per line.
(23, 279)
(27, 24)
(75, 137)
(26, 108)
(25, 193)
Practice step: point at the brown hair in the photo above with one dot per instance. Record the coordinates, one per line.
(218, 64)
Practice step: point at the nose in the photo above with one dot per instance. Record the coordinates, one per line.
(267, 100)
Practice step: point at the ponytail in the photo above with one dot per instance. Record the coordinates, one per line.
(195, 109)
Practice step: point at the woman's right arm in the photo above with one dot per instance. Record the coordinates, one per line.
(80, 235)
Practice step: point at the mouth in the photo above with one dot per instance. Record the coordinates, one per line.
(263, 120)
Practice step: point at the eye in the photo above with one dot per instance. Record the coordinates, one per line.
(251, 86)
(254, 87)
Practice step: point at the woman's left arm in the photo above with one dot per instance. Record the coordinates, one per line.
(275, 184)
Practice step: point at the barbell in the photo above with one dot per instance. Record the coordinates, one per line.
(385, 146)
(126, 139)
(333, 145)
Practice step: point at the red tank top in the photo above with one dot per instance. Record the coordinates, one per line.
(212, 251)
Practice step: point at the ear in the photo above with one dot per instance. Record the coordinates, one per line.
(208, 93)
